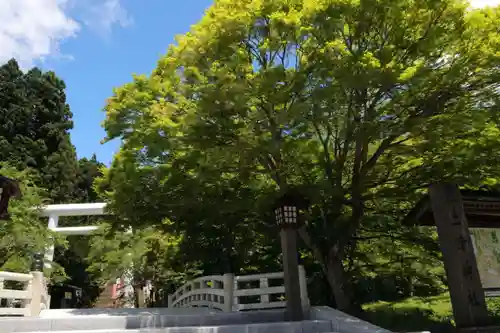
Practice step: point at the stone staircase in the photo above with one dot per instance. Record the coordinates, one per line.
(185, 320)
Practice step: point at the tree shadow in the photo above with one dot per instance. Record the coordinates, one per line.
(407, 319)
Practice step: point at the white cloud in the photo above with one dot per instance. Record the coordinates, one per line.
(33, 30)
(102, 15)
(484, 3)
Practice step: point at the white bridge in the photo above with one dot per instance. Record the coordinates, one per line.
(236, 293)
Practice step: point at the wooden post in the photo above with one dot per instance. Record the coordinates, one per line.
(169, 300)
(291, 274)
(467, 296)
(228, 292)
(303, 289)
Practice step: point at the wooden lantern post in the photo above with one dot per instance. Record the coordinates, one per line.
(287, 211)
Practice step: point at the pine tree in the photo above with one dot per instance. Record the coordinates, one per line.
(34, 128)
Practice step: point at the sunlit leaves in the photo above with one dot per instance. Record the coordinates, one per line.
(147, 253)
(361, 104)
(26, 233)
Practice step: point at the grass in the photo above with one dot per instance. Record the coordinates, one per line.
(420, 314)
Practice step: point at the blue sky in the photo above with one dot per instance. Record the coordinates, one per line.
(102, 60)
(95, 45)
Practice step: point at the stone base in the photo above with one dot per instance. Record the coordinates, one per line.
(485, 329)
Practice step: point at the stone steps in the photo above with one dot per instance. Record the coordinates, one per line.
(313, 326)
(124, 312)
(122, 319)
(185, 320)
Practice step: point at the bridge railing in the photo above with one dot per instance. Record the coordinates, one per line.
(237, 293)
(28, 300)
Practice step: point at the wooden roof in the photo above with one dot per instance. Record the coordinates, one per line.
(482, 209)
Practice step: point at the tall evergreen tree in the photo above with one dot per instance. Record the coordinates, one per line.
(88, 170)
(34, 128)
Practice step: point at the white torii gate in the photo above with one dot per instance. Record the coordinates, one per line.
(53, 212)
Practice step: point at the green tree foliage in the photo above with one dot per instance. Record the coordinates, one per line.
(25, 233)
(34, 125)
(88, 171)
(220, 218)
(361, 104)
(144, 255)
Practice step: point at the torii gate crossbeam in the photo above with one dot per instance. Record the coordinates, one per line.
(53, 212)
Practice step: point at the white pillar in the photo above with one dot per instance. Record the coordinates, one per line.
(53, 221)
(37, 292)
(264, 284)
(1, 288)
(49, 252)
(228, 285)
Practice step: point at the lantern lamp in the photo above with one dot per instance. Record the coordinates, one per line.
(287, 209)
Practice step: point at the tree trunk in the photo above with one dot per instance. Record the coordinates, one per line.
(337, 279)
(140, 302)
(334, 270)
